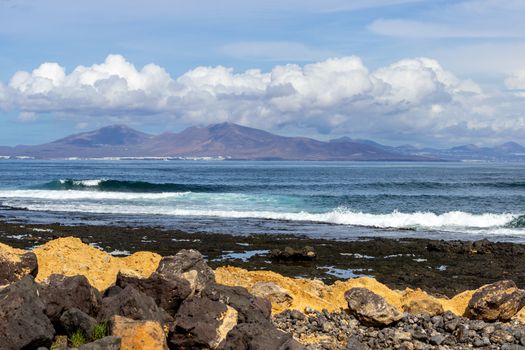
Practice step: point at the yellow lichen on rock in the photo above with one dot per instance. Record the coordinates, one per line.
(316, 295)
(11, 254)
(138, 335)
(69, 256)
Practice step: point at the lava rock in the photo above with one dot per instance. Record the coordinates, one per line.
(74, 319)
(14, 265)
(106, 343)
(496, 301)
(61, 293)
(370, 308)
(202, 323)
(23, 323)
(133, 304)
(259, 336)
(168, 293)
(190, 265)
(250, 308)
(304, 254)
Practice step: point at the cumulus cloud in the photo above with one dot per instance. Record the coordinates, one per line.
(336, 96)
(516, 81)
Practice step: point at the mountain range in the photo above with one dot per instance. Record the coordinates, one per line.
(233, 141)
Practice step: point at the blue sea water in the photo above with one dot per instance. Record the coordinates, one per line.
(335, 200)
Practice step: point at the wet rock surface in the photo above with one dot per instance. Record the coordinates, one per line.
(438, 267)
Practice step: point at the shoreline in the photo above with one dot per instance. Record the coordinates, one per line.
(442, 268)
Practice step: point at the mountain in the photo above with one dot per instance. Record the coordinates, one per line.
(232, 141)
(226, 140)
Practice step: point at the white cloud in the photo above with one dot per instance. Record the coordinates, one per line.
(413, 97)
(516, 81)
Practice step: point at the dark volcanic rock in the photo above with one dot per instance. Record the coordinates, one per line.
(252, 336)
(202, 323)
(23, 324)
(61, 293)
(74, 319)
(168, 293)
(289, 253)
(496, 301)
(132, 304)
(106, 343)
(14, 267)
(188, 264)
(370, 308)
(250, 308)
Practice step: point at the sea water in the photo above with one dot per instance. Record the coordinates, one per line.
(334, 200)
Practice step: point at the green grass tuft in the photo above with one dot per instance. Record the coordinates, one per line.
(100, 331)
(77, 339)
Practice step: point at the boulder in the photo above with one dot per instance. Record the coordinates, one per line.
(61, 293)
(106, 343)
(273, 292)
(202, 324)
(188, 264)
(168, 293)
(138, 335)
(74, 319)
(23, 323)
(497, 301)
(259, 336)
(303, 254)
(423, 306)
(132, 304)
(15, 264)
(370, 308)
(250, 308)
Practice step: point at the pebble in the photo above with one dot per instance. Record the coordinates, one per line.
(340, 330)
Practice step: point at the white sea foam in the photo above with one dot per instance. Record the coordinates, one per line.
(87, 195)
(86, 183)
(450, 221)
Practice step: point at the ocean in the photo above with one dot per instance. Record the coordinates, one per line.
(333, 200)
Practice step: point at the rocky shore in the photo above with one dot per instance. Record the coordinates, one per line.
(67, 294)
(438, 267)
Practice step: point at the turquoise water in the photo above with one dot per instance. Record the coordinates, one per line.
(338, 200)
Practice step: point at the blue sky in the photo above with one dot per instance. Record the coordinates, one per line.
(398, 71)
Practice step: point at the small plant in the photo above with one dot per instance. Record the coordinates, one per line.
(77, 339)
(54, 346)
(100, 331)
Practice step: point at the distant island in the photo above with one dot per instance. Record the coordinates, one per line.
(235, 142)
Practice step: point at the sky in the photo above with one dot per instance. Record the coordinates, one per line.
(433, 73)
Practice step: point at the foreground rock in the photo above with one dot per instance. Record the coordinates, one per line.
(203, 323)
(61, 293)
(136, 335)
(370, 308)
(15, 264)
(134, 305)
(188, 264)
(168, 292)
(106, 343)
(23, 324)
(498, 301)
